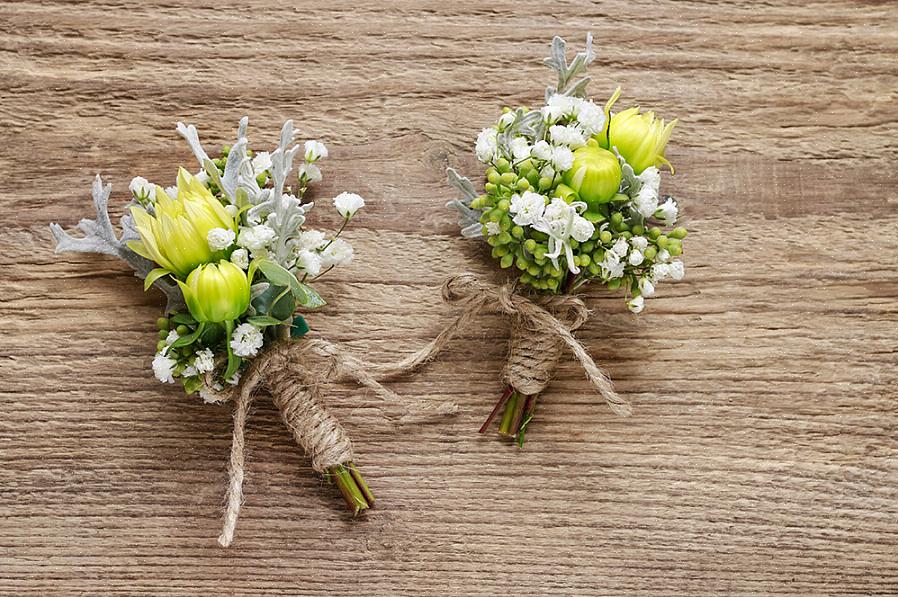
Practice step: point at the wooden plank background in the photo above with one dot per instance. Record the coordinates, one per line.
(762, 455)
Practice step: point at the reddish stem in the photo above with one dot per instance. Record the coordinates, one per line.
(505, 396)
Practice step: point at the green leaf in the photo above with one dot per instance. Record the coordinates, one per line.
(313, 300)
(185, 318)
(261, 321)
(299, 328)
(189, 338)
(154, 275)
(192, 384)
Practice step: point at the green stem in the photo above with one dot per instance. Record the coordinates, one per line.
(347, 483)
(505, 426)
(529, 409)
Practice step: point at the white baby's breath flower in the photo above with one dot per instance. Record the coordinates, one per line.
(310, 172)
(639, 242)
(240, 258)
(220, 239)
(564, 104)
(337, 253)
(667, 212)
(527, 208)
(310, 240)
(547, 172)
(261, 162)
(234, 379)
(650, 177)
(562, 158)
(646, 202)
(620, 247)
(142, 189)
(202, 176)
(571, 136)
(309, 261)
(486, 146)
(677, 270)
(170, 339)
(541, 150)
(660, 271)
(582, 229)
(493, 228)
(646, 288)
(232, 210)
(204, 361)
(520, 148)
(164, 367)
(315, 150)
(246, 340)
(189, 371)
(636, 257)
(348, 203)
(255, 238)
(636, 305)
(611, 265)
(172, 192)
(663, 256)
(591, 118)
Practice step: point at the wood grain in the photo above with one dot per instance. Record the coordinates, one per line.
(762, 458)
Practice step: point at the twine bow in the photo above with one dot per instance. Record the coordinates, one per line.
(294, 373)
(540, 328)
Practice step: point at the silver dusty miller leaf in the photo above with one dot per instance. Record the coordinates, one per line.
(469, 218)
(100, 237)
(568, 72)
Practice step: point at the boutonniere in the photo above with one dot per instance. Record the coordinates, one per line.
(572, 196)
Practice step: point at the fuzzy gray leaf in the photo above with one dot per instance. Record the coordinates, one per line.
(462, 184)
(190, 133)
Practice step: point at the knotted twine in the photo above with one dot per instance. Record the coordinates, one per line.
(294, 372)
(540, 328)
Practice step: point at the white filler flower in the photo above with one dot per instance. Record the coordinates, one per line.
(246, 340)
(337, 253)
(315, 150)
(527, 208)
(163, 367)
(220, 239)
(348, 203)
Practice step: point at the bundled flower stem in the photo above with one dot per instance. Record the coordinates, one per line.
(571, 196)
(228, 247)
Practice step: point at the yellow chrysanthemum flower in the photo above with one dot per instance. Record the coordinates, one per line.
(640, 138)
(176, 237)
(216, 293)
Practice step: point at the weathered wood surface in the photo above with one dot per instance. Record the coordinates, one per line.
(762, 456)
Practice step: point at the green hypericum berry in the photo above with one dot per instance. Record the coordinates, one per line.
(182, 330)
(584, 260)
(508, 179)
(617, 218)
(525, 167)
(544, 183)
(638, 229)
(526, 278)
(517, 232)
(502, 165)
(523, 185)
(503, 204)
(533, 178)
(160, 345)
(534, 270)
(530, 245)
(614, 284)
(506, 223)
(587, 247)
(605, 236)
(162, 323)
(506, 261)
(163, 334)
(662, 241)
(575, 244)
(492, 241)
(594, 269)
(496, 215)
(626, 234)
(650, 253)
(654, 232)
(493, 176)
(675, 247)
(490, 188)
(552, 283)
(504, 237)
(679, 233)
(521, 263)
(598, 256)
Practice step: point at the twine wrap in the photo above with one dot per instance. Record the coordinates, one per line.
(294, 372)
(540, 328)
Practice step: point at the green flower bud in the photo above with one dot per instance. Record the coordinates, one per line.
(530, 245)
(587, 247)
(490, 188)
(552, 283)
(162, 323)
(650, 253)
(679, 232)
(675, 247)
(544, 183)
(617, 218)
(496, 215)
(182, 330)
(540, 251)
(504, 238)
(614, 284)
(533, 178)
(216, 293)
(594, 269)
(662, 241)
(584, 260)
(160, 346)
(492, 241)
(502, 165)
(640, 138)
(493, 176)
(506, 223)
(506, 261)
(225, 150)
(521, 263)
(517, 232)
(534, 270)
(654, 232)
(508, 179)
(525, 167)
(595, 175)
(163, 334)
(638, 229)
(605, 236)
(503, 204)
(598, 255)
(523, 185)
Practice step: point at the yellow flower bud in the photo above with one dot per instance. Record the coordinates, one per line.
(595, 175)
(640, 138)
(216, 293)
(176, 237)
